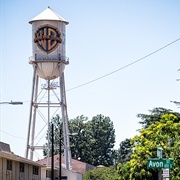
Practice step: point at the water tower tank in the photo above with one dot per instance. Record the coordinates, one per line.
(49, 46)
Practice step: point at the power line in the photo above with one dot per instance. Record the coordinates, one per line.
(121, 68)
(12, 135)
(130, 64)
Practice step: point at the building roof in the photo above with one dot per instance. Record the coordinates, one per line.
(11, 156)
(48, 15)
(77, 166)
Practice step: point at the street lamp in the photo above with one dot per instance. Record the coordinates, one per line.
(12, 102)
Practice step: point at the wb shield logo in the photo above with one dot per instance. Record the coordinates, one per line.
(47, 38)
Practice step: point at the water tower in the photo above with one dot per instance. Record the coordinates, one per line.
(48, 61)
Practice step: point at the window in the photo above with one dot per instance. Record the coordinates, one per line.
(35, 170)
(48, 174)
(9, 165)
(21, 167)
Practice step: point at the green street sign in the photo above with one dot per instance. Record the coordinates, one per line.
(160, 163)
(159, 152)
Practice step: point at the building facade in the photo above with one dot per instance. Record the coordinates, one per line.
(14, 167)
(78, 169)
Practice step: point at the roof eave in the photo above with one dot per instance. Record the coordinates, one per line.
(66, 22)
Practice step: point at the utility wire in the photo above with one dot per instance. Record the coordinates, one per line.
(130, 64)
(121, 68)
(12, 135)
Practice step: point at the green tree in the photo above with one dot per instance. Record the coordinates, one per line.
(104, 173)
(124, 171)
(101, 139)
(79, 142)
(93, 142)
(155, 115)
(57, 122)
(124, 151)
(163, 133)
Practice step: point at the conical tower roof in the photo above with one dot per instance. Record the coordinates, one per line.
(48, 15)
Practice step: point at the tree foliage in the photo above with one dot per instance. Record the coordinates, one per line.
(101, 139)
(163, 133)
(155, 115)
(94, 139)
(124, 151)
(105, 173)
(57, 123)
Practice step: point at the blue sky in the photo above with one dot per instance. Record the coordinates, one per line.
(102, 37)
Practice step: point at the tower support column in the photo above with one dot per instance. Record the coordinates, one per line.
(67, 152)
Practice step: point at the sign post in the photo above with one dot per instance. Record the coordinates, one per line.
(159, 155)
(160, 163)
(159, 152)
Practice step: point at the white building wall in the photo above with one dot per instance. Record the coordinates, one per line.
(72, 175)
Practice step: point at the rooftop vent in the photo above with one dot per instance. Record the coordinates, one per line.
(5, 147)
